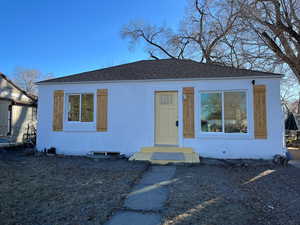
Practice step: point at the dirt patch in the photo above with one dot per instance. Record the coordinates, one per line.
(50, 190)
(208, 194)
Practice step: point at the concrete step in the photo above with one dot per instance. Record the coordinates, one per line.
(295, 152)
(166, 149)
(166, 157)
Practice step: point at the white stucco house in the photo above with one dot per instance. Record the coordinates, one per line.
(160, 106)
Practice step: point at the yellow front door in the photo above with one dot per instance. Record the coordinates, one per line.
(166, 118)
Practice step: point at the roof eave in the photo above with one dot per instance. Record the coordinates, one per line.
(17, 87)
(155, 80)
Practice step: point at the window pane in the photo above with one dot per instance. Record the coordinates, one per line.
(235, 113)
(74, 101)
(87, 108)
(166, 99)
(211, 112)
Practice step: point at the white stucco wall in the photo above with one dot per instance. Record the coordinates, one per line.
(131, 120)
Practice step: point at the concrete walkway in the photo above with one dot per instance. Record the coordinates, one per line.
(295, 163)
(144, 203)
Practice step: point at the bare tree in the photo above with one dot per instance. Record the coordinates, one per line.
(157, 38)
(253, 34)
(26, 78)
(289, 91)
(276, 23)
(206, 24)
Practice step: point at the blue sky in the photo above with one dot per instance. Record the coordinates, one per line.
(64, 37)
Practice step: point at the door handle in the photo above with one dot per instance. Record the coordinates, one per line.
(177, 123)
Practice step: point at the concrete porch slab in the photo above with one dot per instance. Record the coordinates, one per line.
(173, 156)
(295, 152)
(165, 155)
(166, 149)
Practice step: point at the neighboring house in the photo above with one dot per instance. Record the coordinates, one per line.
(297, 115)
(17, 110)
(216, 111)
(297, 118)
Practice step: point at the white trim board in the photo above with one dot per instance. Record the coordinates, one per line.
(162, 80)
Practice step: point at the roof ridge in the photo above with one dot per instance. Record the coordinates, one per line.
(230, 67)
(249, 70)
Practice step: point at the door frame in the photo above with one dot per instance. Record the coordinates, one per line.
(166, 91)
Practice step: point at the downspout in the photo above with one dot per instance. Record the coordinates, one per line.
(9, 119)
(284, 148)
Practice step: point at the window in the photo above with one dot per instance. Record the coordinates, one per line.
(81, 107)
(235, 117)
(166, 99)
(211, 113)
(87, 107)
(74, 102)
(34, 114)
(224, 112)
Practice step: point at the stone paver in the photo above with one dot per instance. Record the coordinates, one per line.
(151, 192)
(149, 195)
(158, 175)
(134, 218)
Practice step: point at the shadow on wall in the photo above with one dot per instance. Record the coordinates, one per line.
(22, 116)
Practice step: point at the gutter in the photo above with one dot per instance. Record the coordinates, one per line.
(16, 102)
(279, 76)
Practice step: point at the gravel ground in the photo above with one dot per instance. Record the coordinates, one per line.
(209, 194)
(73, 190)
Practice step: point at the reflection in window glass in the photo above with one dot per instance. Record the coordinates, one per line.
(87, 107)
(74, 102)
(235, 116)
(211, 112)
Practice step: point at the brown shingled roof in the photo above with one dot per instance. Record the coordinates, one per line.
(160, 69)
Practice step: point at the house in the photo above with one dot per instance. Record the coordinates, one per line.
(163, 106)
(297, 115)
(297, 118)
(17, 111)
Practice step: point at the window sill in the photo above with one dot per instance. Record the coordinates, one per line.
(226, 136)
(79, 126)
(79, 130)
(79, 122)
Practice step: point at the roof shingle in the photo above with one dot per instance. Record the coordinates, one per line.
(160, 69)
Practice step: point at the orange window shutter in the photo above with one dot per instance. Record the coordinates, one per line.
(260, 114)
(188, 112)
(58, 110)
(102, 95)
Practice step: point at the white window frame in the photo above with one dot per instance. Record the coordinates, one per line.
(223, 133)
(67, 106)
